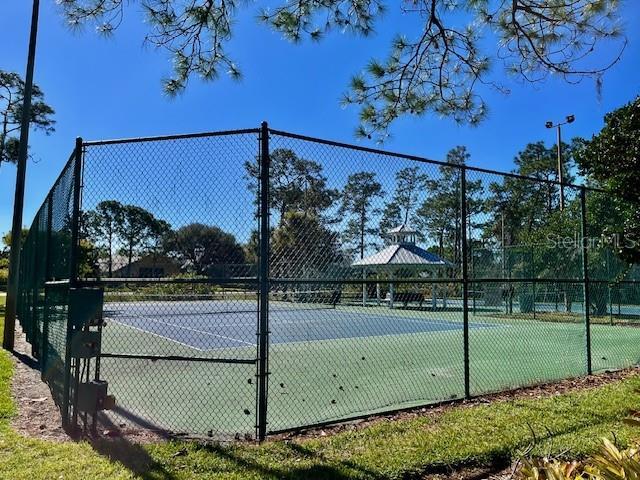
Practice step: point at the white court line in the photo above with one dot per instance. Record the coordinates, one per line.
(155, 334)
(305, 322)
(360, 316)
(201, 331)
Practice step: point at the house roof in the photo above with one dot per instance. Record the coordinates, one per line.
(121, 262)
(117, 262)
(402, 255)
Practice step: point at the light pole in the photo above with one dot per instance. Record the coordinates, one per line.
(18, 204)
(557, 126)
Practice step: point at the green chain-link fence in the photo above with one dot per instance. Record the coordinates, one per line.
(45, 278)
(257, 281)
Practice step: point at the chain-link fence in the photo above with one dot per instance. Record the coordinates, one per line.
(257, 281)
(46, 262)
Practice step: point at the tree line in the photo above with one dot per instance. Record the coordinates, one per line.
(113, 228)
(316, 226)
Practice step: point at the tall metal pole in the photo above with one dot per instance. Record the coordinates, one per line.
(18, 204)
(465, 279)
(504, 263)
(473, 263)
(263, 320)
(534, 276)
(585, 274)
(68, 403)
(47, 294)
(560, 169)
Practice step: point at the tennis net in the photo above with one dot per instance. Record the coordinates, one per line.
(141, 305)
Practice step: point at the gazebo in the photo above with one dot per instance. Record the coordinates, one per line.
(401, 253)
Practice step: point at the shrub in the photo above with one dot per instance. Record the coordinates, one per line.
(609, 463)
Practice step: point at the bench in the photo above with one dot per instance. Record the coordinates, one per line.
(408, 297)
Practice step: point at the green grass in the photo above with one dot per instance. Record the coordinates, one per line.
(467, 436)
(564, 317)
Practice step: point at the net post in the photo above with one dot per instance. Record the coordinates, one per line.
(263, 285)
(465, 277)
(585, 274)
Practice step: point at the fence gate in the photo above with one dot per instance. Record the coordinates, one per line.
(182, 349)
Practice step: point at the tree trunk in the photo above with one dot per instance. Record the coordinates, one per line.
(362, 228)
(130, 258)
(283, 210)
(568, 301)
(5, 122)
(110, 255)
(599, 300)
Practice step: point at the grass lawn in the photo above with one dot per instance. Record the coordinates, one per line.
(476, 436)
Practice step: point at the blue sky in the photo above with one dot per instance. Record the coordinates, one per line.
(106, 88)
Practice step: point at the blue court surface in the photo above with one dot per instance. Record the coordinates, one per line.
(209, 325)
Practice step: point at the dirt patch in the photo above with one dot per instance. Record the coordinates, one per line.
(39, 417)
(37, 414)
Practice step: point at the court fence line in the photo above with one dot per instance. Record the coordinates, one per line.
(66, 291)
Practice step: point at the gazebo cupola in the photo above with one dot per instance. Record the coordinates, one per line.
(401, 235)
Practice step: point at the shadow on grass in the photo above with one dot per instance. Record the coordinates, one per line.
(321, 469)
(295, 461)
(137, 460)
(133, 457)
(287, 461)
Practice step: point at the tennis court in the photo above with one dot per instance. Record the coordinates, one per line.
(328, 363)
(217, 324)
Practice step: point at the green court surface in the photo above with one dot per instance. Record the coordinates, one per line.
(331, 379)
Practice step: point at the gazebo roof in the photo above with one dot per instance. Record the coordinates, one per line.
(404, 228)
(402, 255)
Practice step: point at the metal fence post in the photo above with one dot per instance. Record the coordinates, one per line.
(47, 275)
(585, 274)
(465, 277)
(263, 282)
(534, 277)
(73, 277)
(35, 287)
